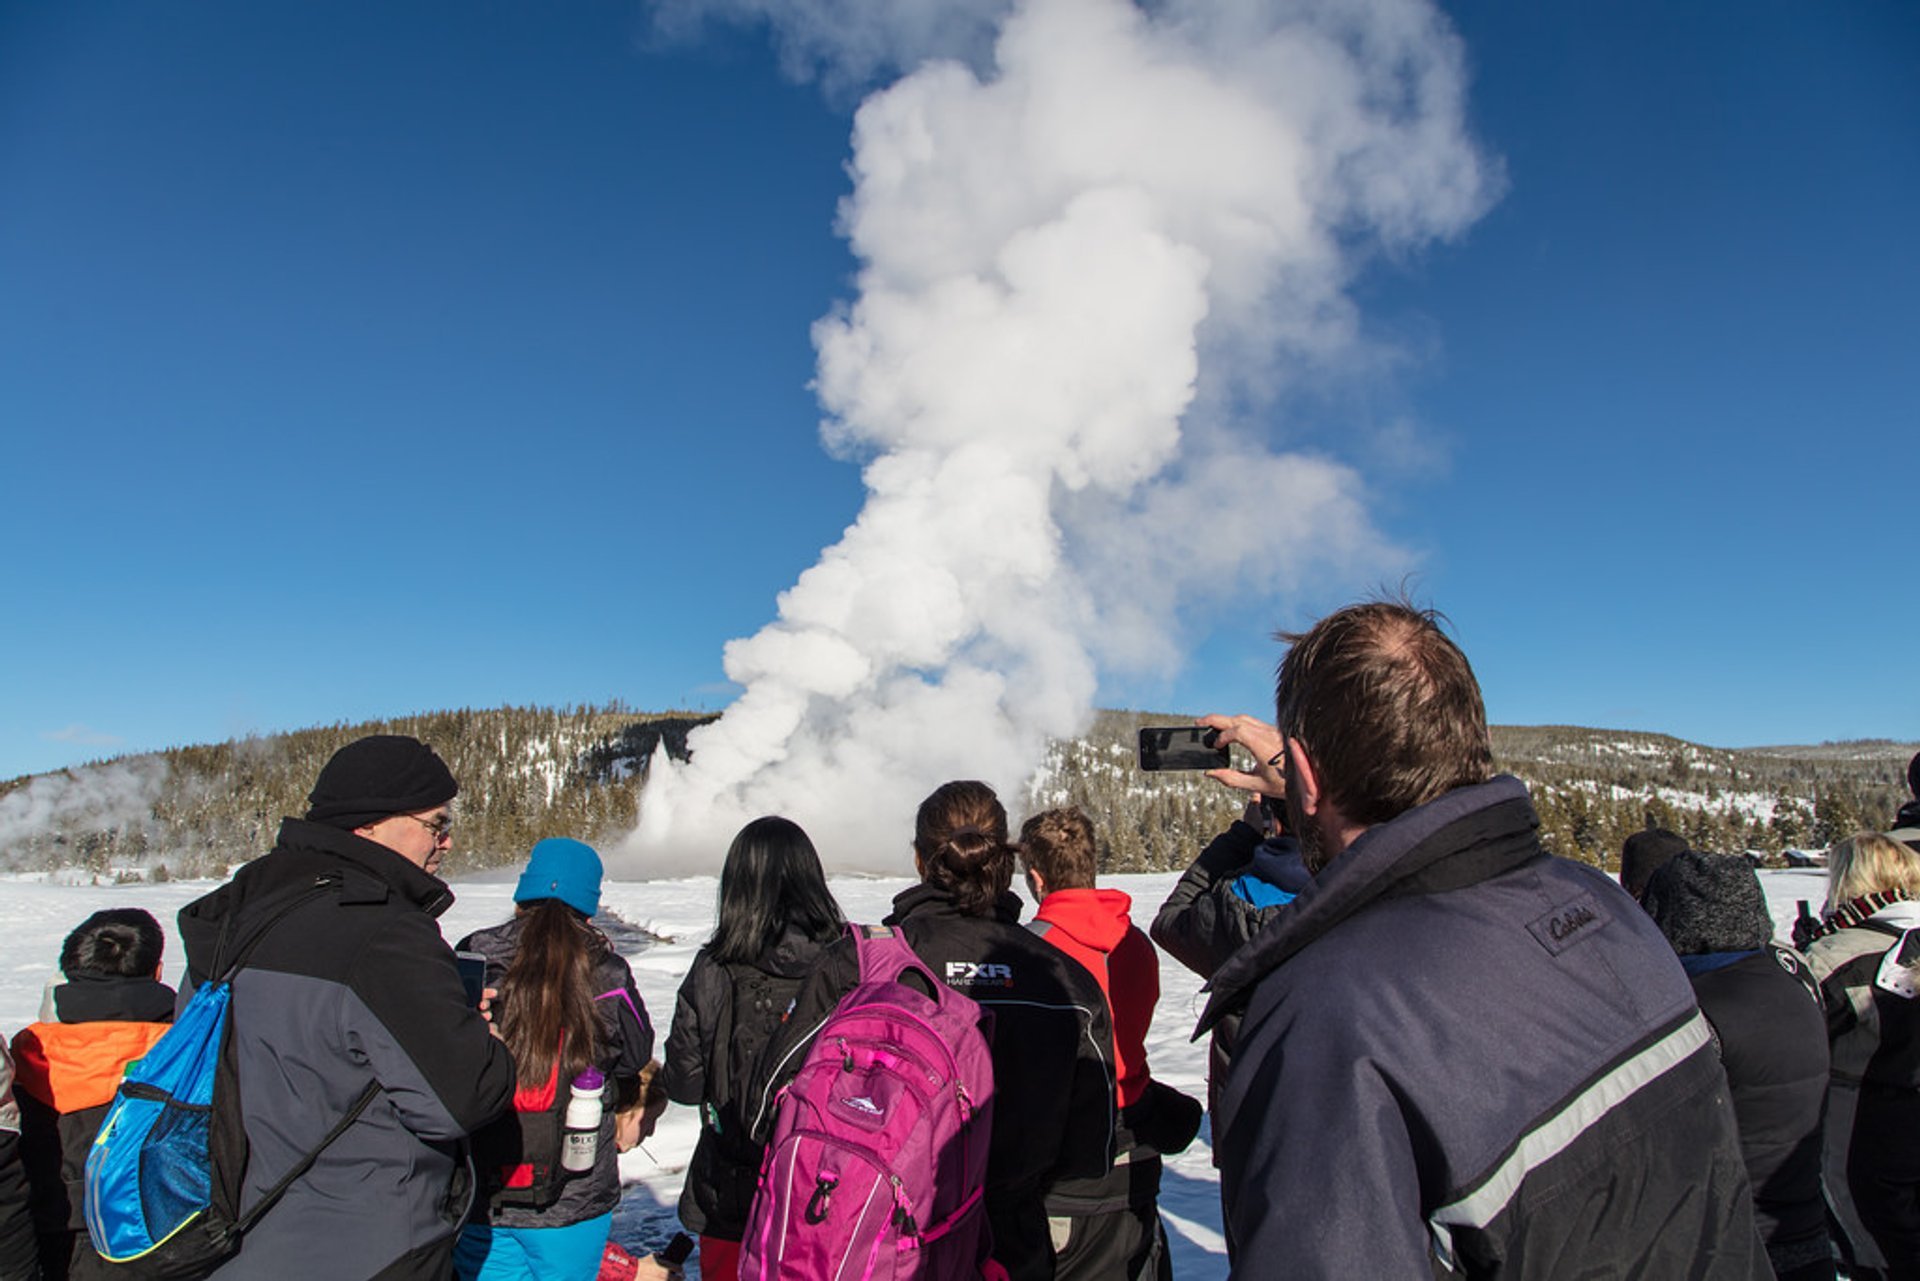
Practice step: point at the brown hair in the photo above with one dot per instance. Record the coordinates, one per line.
(547, 993)
(1059, 845)
(960, 835)
(1387, 706)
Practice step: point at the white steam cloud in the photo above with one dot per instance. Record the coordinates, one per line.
(120, 794)
(1074, 259)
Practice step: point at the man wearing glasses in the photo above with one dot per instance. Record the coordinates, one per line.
(355, 988)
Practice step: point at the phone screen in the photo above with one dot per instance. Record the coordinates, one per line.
(1164, 747)
(473, 975)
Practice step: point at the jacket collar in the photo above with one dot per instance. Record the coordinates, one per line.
(383, 872)
(926, 901)
(89, 999)
(1470, 834)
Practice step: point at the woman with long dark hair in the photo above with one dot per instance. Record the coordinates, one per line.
(775, 917)
(565, 1004)
(1052, 1043)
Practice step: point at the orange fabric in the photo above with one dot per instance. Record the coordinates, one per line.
(74, 1066)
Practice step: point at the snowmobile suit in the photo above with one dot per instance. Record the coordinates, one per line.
(1463, 1056)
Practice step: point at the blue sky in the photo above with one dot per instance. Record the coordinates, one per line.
(365, 358)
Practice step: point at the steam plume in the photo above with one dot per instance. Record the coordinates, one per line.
(1076, 253)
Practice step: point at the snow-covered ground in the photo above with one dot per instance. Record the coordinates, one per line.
(35, 916)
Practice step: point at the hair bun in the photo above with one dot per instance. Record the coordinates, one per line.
(971, 843)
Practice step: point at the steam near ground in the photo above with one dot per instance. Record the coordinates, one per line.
(680, 912)
(1097, 241)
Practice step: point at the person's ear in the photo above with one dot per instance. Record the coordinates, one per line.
(1303, 777)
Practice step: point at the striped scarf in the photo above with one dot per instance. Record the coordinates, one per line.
(1856, 911)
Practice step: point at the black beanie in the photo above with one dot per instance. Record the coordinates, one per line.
(1644, 853)
(377, 776)
(1913, 776)
(1709, 903)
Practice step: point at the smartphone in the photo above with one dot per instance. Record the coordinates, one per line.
(473, 975)
(677, 1250)
(1181, 747)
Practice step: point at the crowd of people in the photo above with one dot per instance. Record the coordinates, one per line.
(1436, 1049)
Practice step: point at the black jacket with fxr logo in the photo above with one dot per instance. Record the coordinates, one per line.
(1052, 1055)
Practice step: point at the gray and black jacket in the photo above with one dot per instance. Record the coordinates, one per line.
(1462, 1056)
(354, 986)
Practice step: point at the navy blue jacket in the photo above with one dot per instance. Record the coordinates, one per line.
(1462, 1055)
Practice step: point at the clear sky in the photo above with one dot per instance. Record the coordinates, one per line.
(366, 358)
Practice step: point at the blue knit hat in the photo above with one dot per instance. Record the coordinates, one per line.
(564, 869)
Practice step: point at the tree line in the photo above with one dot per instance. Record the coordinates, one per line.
(529, 772)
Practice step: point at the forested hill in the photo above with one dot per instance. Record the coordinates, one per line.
(526, 772)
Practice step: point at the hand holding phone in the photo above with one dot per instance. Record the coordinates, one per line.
(473, 975)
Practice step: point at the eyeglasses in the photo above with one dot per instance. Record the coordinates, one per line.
(442, 827)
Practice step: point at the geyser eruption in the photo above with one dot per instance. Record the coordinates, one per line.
(1074, 261)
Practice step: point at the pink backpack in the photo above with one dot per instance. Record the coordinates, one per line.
(878, 1160)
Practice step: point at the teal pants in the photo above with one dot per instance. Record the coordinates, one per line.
(570, 1253)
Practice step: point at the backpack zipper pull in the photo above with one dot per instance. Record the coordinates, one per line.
(817, 1203)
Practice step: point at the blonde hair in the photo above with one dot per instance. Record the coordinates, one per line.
(1870, 863)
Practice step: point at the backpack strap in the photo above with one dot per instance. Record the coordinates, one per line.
(240, 944)
(245, 1223)
(885, 957)
(1039, 928)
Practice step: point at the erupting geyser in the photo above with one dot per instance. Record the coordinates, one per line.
(1075, 259)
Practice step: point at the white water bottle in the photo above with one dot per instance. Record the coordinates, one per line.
(581, 1140)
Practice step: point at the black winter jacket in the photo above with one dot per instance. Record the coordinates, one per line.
(1765, 1010)
(718, 1193)
(1461, 1053)
(625, 1047)
(19, 1260)
(354, 986)
(1053, 1101)
(1204, 922)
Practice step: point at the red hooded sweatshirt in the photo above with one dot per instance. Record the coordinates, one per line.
(1092, 927)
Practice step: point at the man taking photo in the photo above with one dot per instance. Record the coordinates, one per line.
(1459, 1054)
